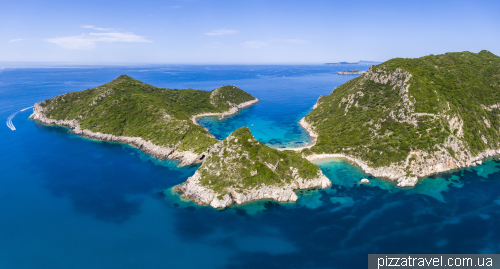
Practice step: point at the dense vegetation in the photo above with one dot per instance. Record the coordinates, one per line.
(128, 107)
(464, 85)
(241, 162)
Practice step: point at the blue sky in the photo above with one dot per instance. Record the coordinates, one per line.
(238, 31)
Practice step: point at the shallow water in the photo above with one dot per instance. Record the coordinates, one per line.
(72, 202)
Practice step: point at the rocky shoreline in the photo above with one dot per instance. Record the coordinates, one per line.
(396, 172)
(184, 157)
(195, 191)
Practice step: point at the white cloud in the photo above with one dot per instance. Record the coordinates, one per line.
(88, 41)
(17, 40)
(96, 28)
(255, 44)
(174, 7)
(222, 32)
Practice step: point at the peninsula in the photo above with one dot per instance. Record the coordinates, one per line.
(408, 118)
(159, 121)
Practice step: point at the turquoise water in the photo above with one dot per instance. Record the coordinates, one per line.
(72, 202)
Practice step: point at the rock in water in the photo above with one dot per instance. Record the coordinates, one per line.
(364, 181)
(407, 181)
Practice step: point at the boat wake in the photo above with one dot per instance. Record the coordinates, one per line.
(27, 108)
(9, 119)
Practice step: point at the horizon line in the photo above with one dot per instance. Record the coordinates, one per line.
(12, 64)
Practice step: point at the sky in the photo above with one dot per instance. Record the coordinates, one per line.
(242, 31)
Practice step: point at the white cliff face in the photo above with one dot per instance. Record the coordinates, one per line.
(317, 102)
(399, 80)
(194, 190)
(185, 157)
(224, 162)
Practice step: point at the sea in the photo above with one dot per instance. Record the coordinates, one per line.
(73, 202)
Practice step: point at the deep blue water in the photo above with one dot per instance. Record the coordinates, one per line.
(72, 202)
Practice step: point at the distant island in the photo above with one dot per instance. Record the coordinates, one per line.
(339, 63)
(360, 62)
(162, 122)
(408, 118)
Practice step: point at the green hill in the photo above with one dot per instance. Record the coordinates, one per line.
(240, 169)
(421, 116)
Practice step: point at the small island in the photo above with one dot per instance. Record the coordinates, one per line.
(406, 119)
